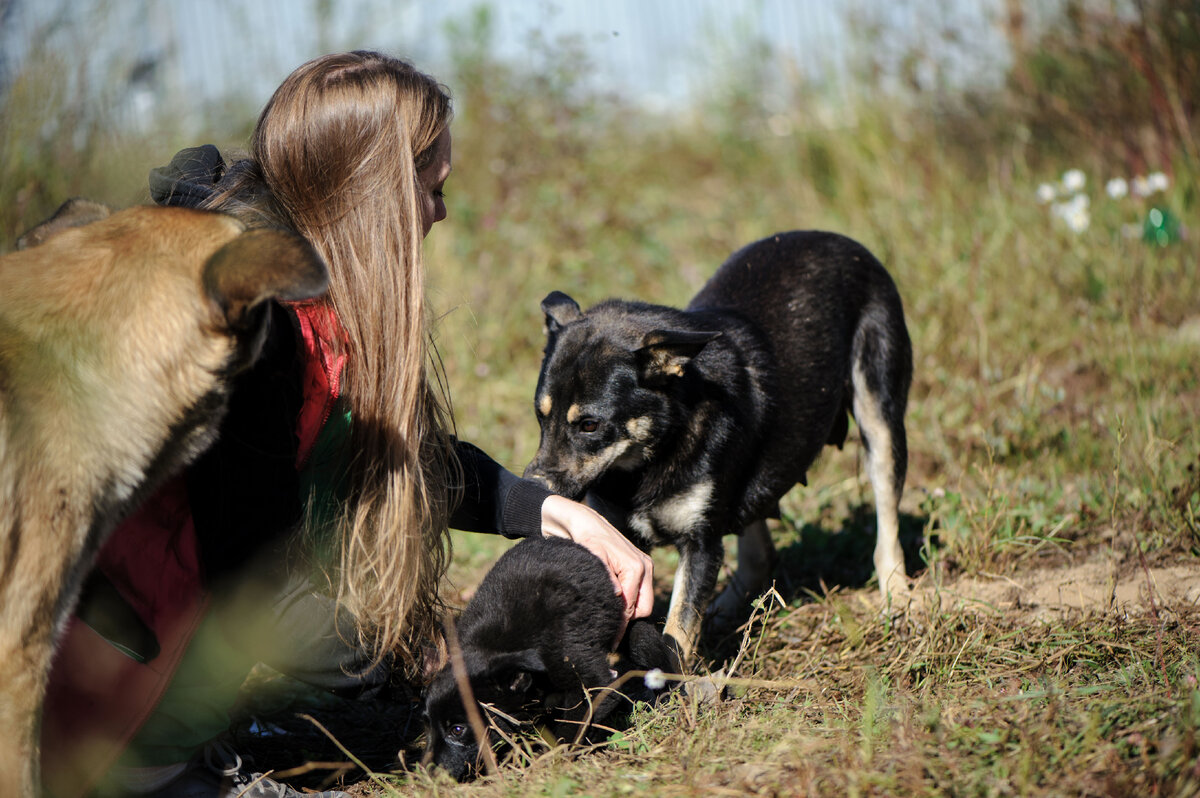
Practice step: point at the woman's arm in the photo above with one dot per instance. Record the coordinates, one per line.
(495, 500)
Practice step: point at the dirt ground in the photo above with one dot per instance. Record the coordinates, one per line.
(1097, 584)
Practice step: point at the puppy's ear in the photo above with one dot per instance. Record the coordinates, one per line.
(665, 353)
(560, 311)
(516, 671)
(260, 265)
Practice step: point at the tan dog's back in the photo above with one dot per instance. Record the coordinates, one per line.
(118, 340)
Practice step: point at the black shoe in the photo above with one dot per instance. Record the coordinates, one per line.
(219, 773)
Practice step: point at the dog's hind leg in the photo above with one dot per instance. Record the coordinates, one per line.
(880, 376)
(755, 565)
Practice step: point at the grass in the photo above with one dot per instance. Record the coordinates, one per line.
(1051, 431)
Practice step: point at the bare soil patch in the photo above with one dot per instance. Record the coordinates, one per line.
(1098, 584)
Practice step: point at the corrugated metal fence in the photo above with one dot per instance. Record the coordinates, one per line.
(178, 56)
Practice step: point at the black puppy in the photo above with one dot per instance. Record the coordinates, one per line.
(683, 426)
(536, 641)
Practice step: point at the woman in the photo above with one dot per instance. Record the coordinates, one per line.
(340, 431)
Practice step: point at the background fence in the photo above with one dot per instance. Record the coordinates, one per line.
(185, 58)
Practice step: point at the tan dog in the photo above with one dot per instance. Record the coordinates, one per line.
(118, 340)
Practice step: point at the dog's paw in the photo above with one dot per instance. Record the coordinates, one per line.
(896, 607)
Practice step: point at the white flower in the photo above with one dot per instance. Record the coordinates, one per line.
(1073, 180)
(1117, 187)
(1078, 220)
(1077, 203)
(1046, 193)
(1141, 187)
(654, 679)
(1157, 181)
(1074, 213)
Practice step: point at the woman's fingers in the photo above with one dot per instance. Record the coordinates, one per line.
(631, 568)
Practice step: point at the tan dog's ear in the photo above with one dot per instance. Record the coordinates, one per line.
(260, 265)
(75, 212)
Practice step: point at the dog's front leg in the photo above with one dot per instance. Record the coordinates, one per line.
(695, 581)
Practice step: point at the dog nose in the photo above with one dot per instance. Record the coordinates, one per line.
(533, 471)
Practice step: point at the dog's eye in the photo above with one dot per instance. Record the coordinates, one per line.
(589, 425)
(456, 731)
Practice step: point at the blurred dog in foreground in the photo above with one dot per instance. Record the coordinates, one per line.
(683, 426)
(535, 641)
(119, 336)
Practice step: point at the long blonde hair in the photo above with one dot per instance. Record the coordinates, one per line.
(338, 149)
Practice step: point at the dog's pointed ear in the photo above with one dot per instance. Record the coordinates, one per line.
(259, 265)
(516, 671)
(560, 311)
(75, 212)
(664, 353)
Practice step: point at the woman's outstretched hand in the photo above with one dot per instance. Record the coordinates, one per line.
(631, 569)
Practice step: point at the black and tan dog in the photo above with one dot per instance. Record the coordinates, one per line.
(118, 341)
(535, 642)
(684, 426)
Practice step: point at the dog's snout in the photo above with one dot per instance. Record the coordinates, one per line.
(534, 471)
(555, 479)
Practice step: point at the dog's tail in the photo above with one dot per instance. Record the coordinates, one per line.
(880, 375)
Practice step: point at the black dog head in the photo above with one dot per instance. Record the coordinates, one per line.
(509, 689)
(603, 396)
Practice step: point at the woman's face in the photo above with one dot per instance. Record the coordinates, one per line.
(433, 179)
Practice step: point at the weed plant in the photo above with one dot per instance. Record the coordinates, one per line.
(1051, 423)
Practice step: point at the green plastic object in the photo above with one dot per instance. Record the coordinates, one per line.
(1161, 227)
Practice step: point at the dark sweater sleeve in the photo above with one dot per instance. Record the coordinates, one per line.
(496, 500)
